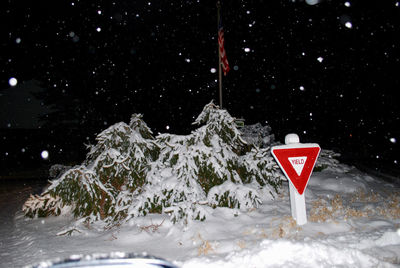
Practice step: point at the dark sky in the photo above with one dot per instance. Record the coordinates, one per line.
(327, 71)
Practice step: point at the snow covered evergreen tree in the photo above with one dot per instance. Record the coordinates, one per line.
(118, 162)
(211, 167)
(129, 173)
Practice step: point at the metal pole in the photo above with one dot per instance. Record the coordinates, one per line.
(219, 60)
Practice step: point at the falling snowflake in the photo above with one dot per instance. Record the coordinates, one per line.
(348, 25)
(13, 81)
(44, 154)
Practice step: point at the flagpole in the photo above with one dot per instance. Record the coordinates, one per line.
(219, 60)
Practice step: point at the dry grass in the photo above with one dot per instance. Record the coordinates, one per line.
(205, 248)
(286, 228)
(334, 209)
(354, 213)
(362, 196)
(391, 208)
(263, 234)
(241, 244)
(322, 212)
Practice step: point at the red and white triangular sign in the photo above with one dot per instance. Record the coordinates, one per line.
(297, 162)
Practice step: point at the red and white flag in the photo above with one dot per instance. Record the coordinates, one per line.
(222, 53)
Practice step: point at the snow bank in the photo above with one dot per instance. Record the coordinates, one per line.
(285, 253)
(331, 182)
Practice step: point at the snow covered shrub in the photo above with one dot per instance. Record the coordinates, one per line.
(129, 173)
(328, 159)
(212, 166)
(119, 161)
(258, 135)
(261, 137)
(56, 170)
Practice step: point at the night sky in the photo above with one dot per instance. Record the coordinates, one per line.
(328, 71)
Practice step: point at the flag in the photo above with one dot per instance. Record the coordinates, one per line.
(222, 53)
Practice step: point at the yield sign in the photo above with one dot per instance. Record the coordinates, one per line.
(297, 162)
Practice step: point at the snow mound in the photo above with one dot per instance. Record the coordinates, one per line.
(285, 253)
(388, 239)
(330, 182)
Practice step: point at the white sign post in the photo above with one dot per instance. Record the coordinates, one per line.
(298, 205)
(297, 201)
(297, 161)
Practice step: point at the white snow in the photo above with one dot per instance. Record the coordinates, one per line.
(353, 221)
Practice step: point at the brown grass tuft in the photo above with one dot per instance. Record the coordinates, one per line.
(324, 210)
(205, 248)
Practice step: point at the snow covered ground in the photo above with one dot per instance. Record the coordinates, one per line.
(353, 221)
